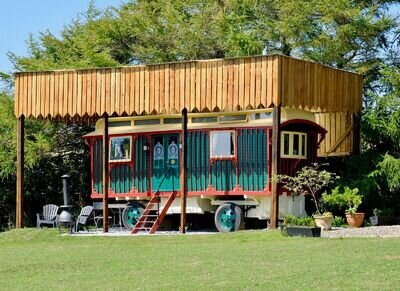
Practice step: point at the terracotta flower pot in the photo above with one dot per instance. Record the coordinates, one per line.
(355, 220)
(324, 222)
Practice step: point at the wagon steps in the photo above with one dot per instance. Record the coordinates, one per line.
(152, 217)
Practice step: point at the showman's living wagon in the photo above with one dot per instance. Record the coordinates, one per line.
(248, 119)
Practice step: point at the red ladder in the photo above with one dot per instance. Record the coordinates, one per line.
(151, 218)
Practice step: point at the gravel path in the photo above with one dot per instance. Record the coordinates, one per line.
(336, 232)
(372, 231)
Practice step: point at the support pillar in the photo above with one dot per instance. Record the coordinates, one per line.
(274, 212)
(183, 174)
(19, 215)
(105, 167)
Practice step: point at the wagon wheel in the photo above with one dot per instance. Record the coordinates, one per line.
(131, 215)
(228, 217)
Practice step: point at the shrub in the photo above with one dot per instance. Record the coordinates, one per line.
(309, 180)
(343, 198)
(338, 221)
(299, 221)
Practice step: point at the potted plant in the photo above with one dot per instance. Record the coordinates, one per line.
(347, 198)
(382, 217)
(324, 220)
(309, 181)
(301, 226)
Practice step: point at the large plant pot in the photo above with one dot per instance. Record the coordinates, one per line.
(324, 222)
(303, 231)
(356, 219)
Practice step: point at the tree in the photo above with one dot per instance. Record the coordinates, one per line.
(348, 34)
(308, 181)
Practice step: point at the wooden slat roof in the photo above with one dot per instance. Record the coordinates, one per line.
(200, 86)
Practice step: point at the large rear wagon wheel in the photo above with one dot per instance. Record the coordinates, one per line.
(132, 214)
(228, 217)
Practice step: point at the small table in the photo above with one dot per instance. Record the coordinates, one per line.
(119, 207)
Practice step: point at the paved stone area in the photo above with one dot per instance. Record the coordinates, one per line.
(371, 231)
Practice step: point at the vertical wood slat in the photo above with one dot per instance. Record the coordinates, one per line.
(203, 86)
(125, 91)
(93, 102)
(72, 93)
(212, 84)
(150, 90)
(219, 84)
(258, 85)
(117, 90)
(157, 89)
(252, 83)
(135, 108)
(167, 88)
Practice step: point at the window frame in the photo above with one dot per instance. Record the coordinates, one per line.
(291, 155)
(230, 157)
(130, 149)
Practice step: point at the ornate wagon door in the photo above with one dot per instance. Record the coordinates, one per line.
(165, 162)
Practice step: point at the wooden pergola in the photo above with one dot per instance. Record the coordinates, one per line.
(234, 84)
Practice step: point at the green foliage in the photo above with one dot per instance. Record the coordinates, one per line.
(381, 122)
(299, 221)
(389, 170)
(347, 34)
(347, 198)
(38, 139)
(309, 180)
(338, 221)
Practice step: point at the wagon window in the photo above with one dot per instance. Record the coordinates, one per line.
(286, 144)
(147, 121)
(293, 145)
(120, 149)
(228, 118)
(222, 144)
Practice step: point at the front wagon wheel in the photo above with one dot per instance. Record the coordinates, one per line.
(132, 214)
(228, 217)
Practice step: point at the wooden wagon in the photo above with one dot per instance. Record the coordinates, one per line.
(248, 119)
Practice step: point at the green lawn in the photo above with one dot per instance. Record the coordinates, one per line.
(42, 259)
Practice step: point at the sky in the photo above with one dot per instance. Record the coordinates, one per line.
(19, 18)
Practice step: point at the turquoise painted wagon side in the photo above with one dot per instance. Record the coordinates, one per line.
(228, 169)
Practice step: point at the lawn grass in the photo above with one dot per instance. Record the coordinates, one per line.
(43, 260)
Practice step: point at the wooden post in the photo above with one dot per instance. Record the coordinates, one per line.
(355, 138)
(105, 173)
(183, 176)
(274, 212)
(19, 215)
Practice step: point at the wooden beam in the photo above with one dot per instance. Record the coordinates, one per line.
(19, 217)
(183, 176)
(105, 173)
(355, 138)
(341, 139)
(274, 212)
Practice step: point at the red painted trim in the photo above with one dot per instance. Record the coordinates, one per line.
(91, 145)
(151, 164)
(319, 128)
(210, 189)
(237, 187)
